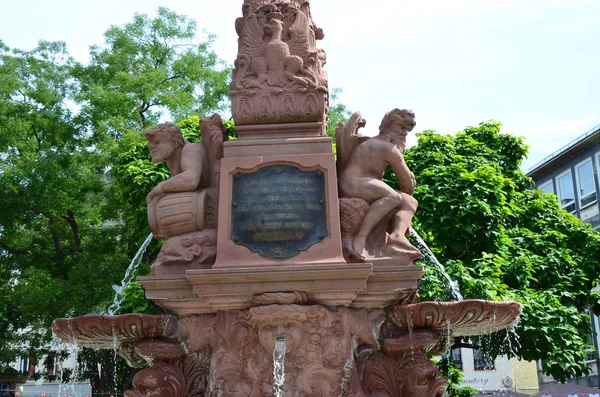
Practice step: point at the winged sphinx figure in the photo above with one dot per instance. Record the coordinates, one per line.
(183, 208)
(375, 218)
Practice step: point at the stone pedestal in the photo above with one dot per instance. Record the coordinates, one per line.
(290, 349)
(359, 285)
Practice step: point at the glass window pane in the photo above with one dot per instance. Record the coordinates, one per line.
(588, 199)
(566, 193)
(457, 358)
(585, 177)
(548, 188)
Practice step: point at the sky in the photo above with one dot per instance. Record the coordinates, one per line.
(534, 65)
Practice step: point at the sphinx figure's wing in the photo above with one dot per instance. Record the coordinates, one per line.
(253, 37)
(347, 138)
(213, 136)
(299, 33)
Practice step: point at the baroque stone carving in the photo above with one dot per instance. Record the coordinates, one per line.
(364, 327)
(469, 317)
(401, 368)
(198, 331)
(278, 75)
(99, 331)
(375, 218)
(318, 347)
(407, 374)
(282, 298)
(181, 377)
(328, 352)
(183, 209)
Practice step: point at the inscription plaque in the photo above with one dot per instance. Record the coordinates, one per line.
(278, 210)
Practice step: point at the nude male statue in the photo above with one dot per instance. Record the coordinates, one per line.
(362, 178)
(184, 159)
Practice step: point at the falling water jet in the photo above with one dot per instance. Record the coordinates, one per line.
(279, 366)
(129, 274)
(424, 248)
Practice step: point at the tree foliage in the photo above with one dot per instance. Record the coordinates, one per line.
(65, 129)
(57, 258)
(151, 68)
(337, 112)
(502, 241)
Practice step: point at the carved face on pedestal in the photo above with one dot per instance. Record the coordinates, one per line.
(163, 140)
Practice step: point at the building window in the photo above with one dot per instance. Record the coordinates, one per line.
(482, 361)
(566, 193)
(586, 186)
(457, 358)
(547, 187)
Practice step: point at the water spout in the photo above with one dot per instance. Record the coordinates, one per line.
(129, 273)
(279, 366)
(430, 258)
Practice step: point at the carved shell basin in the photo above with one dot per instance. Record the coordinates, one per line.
(468, 317)
(99, 331)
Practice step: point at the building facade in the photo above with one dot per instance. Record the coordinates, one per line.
(50, 383)
(572, 173)
(488, 375)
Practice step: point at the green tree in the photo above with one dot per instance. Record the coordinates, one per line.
(64, 238)
(337, 113)
(56, 255)
(148, 69)
(502, 241)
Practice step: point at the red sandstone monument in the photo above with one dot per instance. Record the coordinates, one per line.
(284, 273)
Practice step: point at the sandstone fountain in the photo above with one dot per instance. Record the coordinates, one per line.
(284, 273)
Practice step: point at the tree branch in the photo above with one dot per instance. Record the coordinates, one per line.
(57, 243)
(175, 76)
(37, 138)
(70, 218)
(10, 250)
(142, 109)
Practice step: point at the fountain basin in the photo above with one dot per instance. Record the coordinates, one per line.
(108, 332)
(465, 318)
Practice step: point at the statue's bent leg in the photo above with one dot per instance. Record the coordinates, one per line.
(376, 212)
(402, 220)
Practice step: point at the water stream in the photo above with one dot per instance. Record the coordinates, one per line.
(430, 258)
(279, 366)
(129, 274)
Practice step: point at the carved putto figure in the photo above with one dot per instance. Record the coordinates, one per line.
(376, 218)
(183, 208)
(278, 75)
